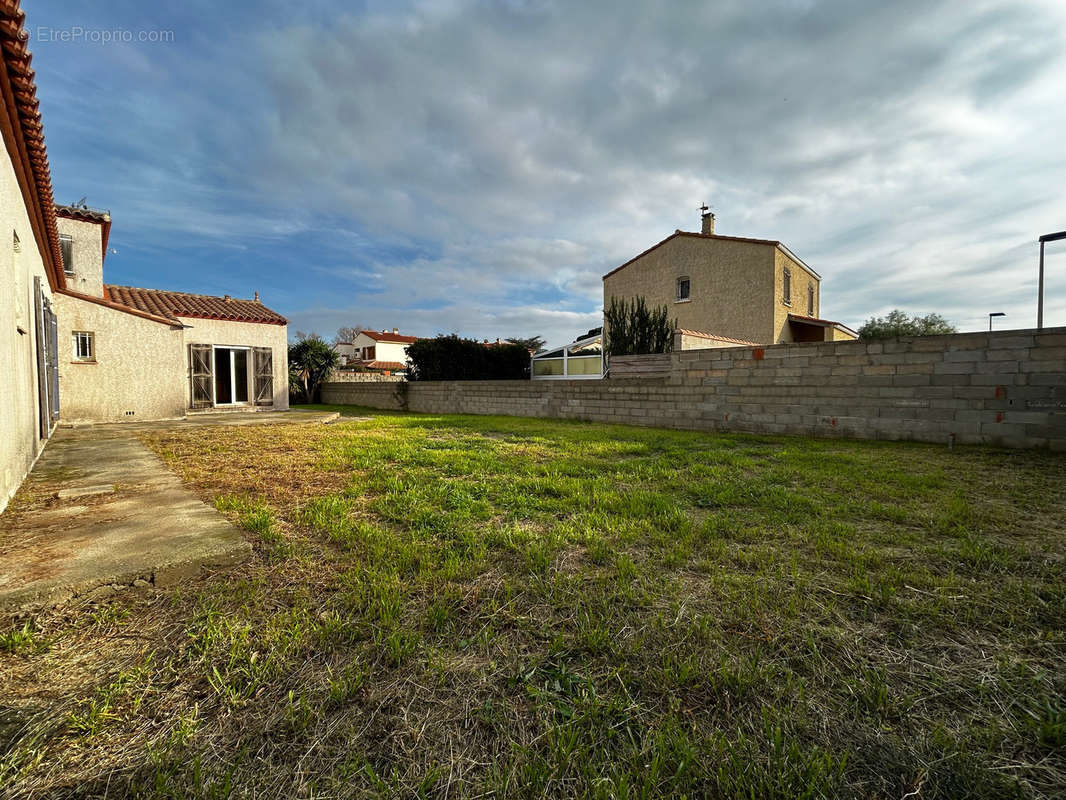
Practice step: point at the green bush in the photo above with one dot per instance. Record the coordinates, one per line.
(449, 358)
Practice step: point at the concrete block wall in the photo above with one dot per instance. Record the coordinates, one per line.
(351, 376)
(1005, 388)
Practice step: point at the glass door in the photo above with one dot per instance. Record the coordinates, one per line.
(232, 377)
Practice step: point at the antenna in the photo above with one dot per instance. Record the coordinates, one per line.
(704, 208)
(81, 203)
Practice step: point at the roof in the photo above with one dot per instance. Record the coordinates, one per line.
(386, 336)
(393, 366)
(716, 337)
(718, 237)
(23, 135)
(86, 214)
(824, 323)
(172, 305)
(100, 301)
(83, 213)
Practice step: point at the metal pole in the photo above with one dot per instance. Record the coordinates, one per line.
(1040, 292)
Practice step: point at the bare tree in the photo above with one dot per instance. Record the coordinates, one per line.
(347, 333)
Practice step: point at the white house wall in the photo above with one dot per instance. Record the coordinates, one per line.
(20, 443)
(138, 372)
(88, 255)
(242, 334)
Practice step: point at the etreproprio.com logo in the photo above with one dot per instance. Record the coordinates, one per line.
(77, 34)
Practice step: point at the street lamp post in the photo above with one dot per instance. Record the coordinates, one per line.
(1047, 237)
(994, 314)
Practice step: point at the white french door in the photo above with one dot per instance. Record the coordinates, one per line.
(232, 376)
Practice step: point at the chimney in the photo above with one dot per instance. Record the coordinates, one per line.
(257, 297)
(227, 298)
(708, 222)
(395, 330)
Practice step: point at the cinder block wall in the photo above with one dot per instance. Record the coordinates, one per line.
(1005, 388)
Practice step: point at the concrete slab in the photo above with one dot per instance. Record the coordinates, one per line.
(146, 528)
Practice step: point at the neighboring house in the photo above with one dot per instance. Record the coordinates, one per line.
(377, 350)
(727, 290)
(74, 348)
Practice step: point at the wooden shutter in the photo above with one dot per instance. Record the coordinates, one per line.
(264, 376)
(200, 376)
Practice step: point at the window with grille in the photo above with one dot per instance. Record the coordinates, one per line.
(66, 245)
(83, 346)
(786, 292)
(683, 288)
(810, 301)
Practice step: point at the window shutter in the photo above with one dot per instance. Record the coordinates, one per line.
(201, 375)
(264, 376)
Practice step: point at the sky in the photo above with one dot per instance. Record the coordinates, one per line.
(447, 166)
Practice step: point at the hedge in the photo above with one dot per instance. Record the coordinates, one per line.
(449, 358)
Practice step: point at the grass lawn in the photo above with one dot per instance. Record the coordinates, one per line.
(448, 607)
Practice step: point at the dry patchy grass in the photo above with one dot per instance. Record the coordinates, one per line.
(477, 606)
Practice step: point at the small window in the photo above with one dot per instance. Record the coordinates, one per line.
(16, 245)
(683, 287)
(83, 346)
(810, 300)
(786, 293)
(66, 245)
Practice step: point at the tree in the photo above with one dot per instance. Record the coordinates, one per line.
(634, 329)
(897, 323)
(347, 333)
(532, 343)
(449, 358)
(311, 360)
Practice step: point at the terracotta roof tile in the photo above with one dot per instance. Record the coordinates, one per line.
(386, 336)
(393, 366)
(201, 306)
(82, 213)
(23, 91)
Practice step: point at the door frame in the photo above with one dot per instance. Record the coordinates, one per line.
(248, 369)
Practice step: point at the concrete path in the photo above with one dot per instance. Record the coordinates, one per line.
(101, 512)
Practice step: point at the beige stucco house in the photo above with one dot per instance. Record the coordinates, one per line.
(376, 350)
(29, 271)
(727, 291)
(74, 348)
(129, 354)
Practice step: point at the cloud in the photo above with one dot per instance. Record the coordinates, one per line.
(477, 166)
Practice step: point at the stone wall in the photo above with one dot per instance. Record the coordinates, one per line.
(351, 376)
(1005, 388)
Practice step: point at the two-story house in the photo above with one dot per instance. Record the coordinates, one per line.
(727, 290)
(377, 350)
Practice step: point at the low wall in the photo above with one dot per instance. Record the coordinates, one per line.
(351, 376)
(1005, 388)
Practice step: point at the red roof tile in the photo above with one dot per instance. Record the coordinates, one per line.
(201, 306)
(24, 137)
(386, 336)
(392, 366)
